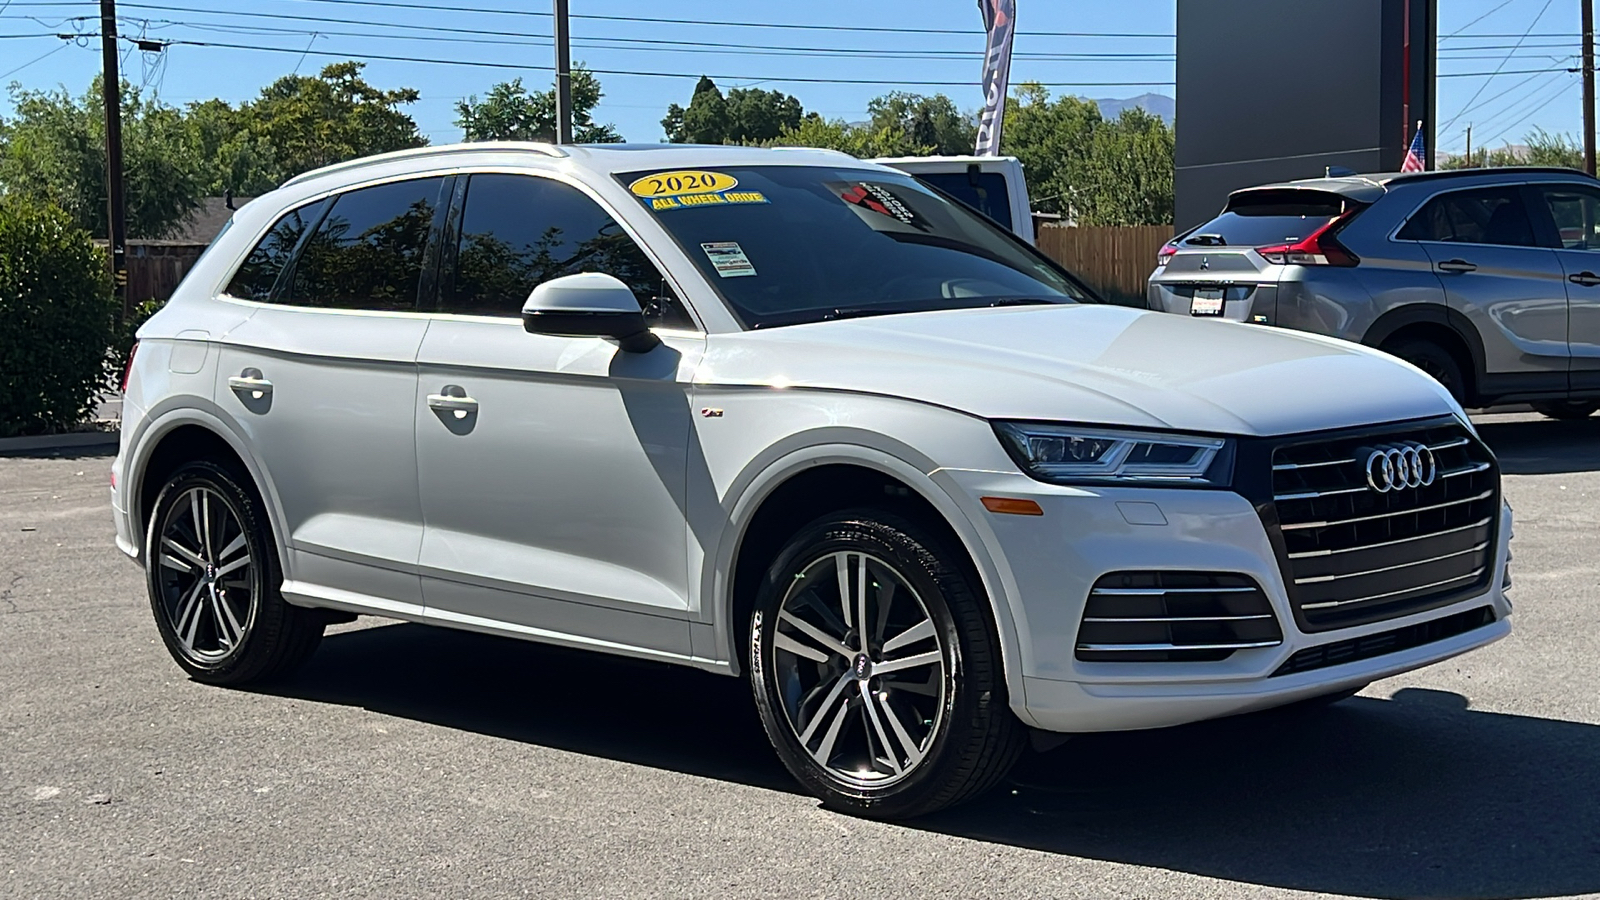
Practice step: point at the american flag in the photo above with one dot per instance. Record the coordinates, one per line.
(1415, 161)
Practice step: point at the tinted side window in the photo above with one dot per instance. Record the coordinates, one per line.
(1577, 216)
(260, 270)
(520, 230)
(368, 251)
(1491, 216)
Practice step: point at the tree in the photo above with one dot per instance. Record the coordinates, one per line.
(1540, 148)
(309, 122)
(1127, 178)
(744, 116)
(860, 141)
(1093, 171)
(509, 113)
(932, 122)
(53, 151)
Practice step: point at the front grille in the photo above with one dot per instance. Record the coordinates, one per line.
(1372, 645)
(1352, 554)
(1174, 617)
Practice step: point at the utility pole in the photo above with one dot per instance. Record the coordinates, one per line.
(563, 76)
(1588, 86)
(111, 87)
(1469, 146)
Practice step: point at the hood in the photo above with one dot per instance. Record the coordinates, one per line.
(1090, 364)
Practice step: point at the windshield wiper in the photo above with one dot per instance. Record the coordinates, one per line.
(1206, 240)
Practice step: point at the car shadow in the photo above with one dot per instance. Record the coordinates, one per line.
(1415, 796)
(1544, 446)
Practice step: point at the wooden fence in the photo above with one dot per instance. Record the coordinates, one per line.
(1114, 260)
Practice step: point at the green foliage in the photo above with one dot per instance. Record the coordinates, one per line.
(744, 116)
(932, 122)
(124, 333)
(1541, 148)
(509, 113)
(1093, 171)
(55, 300)
(52, 150)
(300, 123)
(861, 141)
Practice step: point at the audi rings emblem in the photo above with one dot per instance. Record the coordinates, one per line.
(1397, 467)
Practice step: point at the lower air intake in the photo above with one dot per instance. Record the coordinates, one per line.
(1175, 617)
(1372, 645)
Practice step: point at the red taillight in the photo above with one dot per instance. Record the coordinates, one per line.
(1318, 249)
(128, 369)
(1167, 251)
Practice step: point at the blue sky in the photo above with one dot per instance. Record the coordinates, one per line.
(1502, 108)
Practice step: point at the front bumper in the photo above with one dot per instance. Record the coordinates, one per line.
(1049, 563)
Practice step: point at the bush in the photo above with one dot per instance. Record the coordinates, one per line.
(124, 336)
(57, 319)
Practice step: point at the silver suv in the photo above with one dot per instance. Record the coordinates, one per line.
(787, 414)
(1484, 279)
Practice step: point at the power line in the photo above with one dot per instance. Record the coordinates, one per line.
(1457, 117)
(1486, 15)
(1529, 114)
(56, 49)
(395, 4)
(1479, 91)
(525, 67)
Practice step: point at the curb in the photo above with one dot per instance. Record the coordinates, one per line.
(77, 440)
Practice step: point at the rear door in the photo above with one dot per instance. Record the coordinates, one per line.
(1483, 244)
(1575, 215)
(322, 380)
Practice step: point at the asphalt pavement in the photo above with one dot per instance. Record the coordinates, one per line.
(406, 761)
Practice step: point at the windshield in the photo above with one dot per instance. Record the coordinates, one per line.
(790, 244)
(1260, 218)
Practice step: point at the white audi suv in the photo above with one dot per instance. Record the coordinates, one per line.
(785, 415)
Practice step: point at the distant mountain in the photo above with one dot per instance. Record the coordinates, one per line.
(1159, 105)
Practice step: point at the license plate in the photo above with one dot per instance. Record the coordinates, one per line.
(1206, 302)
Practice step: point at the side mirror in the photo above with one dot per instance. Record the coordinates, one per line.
(589, 304)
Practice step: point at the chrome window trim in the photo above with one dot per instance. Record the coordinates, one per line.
(1393, 234)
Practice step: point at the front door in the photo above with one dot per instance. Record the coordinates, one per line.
(1484, 247)
(552, 469)
(1575, 213)
(322, 379)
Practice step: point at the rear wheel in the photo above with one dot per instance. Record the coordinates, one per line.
(1434, 360)
(1568, 409)
(876, 669)
(212, 574)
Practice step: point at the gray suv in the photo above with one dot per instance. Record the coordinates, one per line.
(1485, 279)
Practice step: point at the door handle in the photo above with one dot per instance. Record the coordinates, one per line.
(1457, 265)
(250, 382)
(1585, 278)
(453, 399)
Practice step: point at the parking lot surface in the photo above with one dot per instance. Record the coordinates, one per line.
(406, 761)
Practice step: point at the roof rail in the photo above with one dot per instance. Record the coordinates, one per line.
(475, 147)
(1433, 174)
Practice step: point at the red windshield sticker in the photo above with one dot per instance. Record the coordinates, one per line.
(881, 200)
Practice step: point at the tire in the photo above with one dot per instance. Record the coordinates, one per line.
(1568, 410)
(1436, 361)
(212, 575)
(880, 744)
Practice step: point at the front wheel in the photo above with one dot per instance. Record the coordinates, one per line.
(212, 573)
(1567, 409)
(876, 669)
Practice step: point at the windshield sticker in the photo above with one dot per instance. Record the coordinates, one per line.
(728, 258)
(723, 198)
(880, 200)
(675, 184)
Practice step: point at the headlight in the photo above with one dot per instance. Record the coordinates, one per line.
(1067, 454)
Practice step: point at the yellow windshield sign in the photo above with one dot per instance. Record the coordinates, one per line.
(678, 184)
